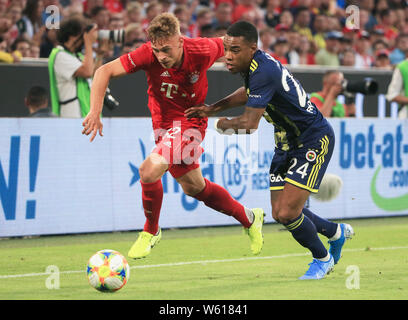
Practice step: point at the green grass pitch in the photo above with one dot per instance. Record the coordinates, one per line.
(212, 264)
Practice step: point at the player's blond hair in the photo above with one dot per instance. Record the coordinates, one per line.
(163, 26)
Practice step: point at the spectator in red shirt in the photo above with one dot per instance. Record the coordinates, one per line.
(363, 46)
(255, 18)
(115, 5)
(304, 50)
(280, 50)
(204, 17)
(387, 20)
(243, 7)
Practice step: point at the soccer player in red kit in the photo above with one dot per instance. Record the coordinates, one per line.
(176, 69)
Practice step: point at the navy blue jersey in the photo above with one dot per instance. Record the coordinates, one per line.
(271, 86)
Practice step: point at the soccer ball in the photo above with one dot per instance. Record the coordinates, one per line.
(107, 271)
(330, 188)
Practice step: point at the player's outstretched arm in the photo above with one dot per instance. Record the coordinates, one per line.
(236, 99)
(246, 123)
(92, 122)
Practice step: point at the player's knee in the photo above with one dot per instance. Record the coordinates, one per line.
(281, 216)
(275, 214)
(144, 175)
(153, 168)
(148, 173)
(284, 215)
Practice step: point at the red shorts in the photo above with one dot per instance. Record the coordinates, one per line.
(180, 147)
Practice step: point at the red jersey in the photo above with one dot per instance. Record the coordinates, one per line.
(171, 91)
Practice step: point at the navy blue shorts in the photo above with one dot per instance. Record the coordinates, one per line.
(303, 167)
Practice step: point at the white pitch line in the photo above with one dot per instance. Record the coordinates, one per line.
(174, 264)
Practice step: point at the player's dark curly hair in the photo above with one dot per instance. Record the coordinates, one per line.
(244, 29)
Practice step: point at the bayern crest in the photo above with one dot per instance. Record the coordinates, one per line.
(311, 156)
(194, 76)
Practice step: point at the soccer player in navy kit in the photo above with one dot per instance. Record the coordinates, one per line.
(304, 142)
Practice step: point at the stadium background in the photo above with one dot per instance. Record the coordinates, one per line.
(46, 176)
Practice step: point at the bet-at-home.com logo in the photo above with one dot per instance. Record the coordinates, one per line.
(387, 154)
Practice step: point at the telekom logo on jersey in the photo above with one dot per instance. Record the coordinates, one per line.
(169, 89)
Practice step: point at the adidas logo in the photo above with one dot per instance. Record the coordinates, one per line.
(165, 74)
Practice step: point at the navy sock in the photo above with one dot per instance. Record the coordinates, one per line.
(323, 226)
(304, 232)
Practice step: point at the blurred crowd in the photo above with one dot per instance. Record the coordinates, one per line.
(365, 33)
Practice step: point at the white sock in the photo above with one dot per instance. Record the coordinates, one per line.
(337, 235)
(250, 215)
(326, 258)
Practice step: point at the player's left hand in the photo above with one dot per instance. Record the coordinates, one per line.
(92, 124)
(200, 111)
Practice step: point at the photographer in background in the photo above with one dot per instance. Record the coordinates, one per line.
(71, 71)
(326, 99)
(398, 87)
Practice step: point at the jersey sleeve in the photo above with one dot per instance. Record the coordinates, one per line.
(216, 49)
(261, 89)
(138, 59)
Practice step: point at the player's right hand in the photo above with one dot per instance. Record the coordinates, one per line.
(201, 111)
(92, 124)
